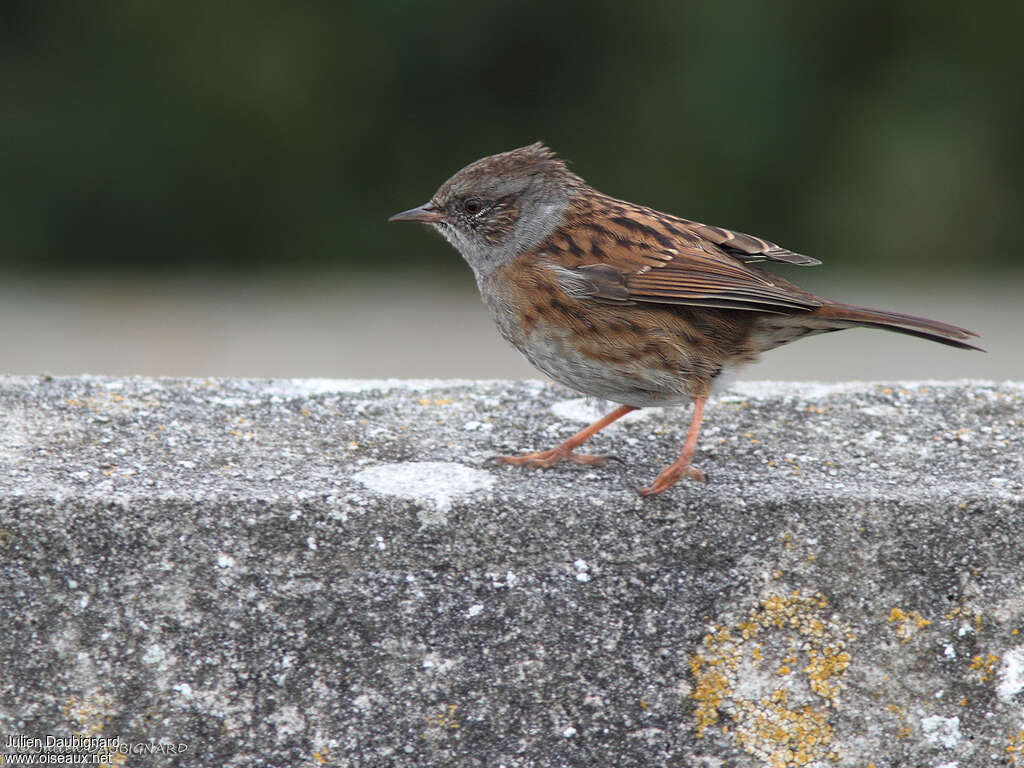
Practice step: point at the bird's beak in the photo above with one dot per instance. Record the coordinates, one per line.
(426, 213)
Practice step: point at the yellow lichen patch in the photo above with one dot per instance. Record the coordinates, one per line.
(782, 718)
(445, 718)
(781, 736)
(900, 714)
(825, 669)
(1015, 748)
(320, 756)
(984, 666)
(89, 716)
(966, 612)
(425, 401)
(713, 682)
(907, 624)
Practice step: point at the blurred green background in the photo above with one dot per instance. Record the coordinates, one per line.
(268, 135)
(232, 142)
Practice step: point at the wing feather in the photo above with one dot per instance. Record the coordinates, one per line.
(613, 251)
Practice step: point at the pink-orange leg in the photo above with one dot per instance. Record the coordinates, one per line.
(681, 466)
(564, 452)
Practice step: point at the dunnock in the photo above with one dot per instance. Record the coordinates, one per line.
(623, 302)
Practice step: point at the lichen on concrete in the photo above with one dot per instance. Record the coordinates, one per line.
(314, 572)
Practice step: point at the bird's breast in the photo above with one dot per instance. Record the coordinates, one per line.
(637, 355)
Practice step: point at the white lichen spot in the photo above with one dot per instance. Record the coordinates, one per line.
(433, 484)
(585, 410)
(1011, 674)
(474, 610)
(225, 561)
(499, 582)
(436, 663)
(184, 689)
(288, 721)
(941, 730)
(154, 655)
(805, 390)
(880, 411)
(569, 732)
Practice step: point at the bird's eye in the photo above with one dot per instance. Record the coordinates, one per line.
(473, 205)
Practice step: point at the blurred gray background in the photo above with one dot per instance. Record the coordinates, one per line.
(202, 189)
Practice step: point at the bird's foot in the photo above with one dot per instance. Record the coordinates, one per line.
(670, 475)
(552, 457)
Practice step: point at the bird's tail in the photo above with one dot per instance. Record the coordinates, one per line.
(834, 316)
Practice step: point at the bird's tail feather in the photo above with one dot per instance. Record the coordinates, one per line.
(835, 316)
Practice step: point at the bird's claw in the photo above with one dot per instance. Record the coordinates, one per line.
(669, 476)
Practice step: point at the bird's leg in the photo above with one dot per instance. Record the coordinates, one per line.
(564, 452)
(681, 466)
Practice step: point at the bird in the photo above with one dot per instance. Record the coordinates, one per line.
(621, 302)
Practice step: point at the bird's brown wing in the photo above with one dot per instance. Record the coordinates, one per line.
(748, 248)
(618, 252)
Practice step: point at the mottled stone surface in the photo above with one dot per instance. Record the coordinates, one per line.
(289, 573)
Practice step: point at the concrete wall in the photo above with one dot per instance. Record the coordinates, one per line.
(312, 573)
